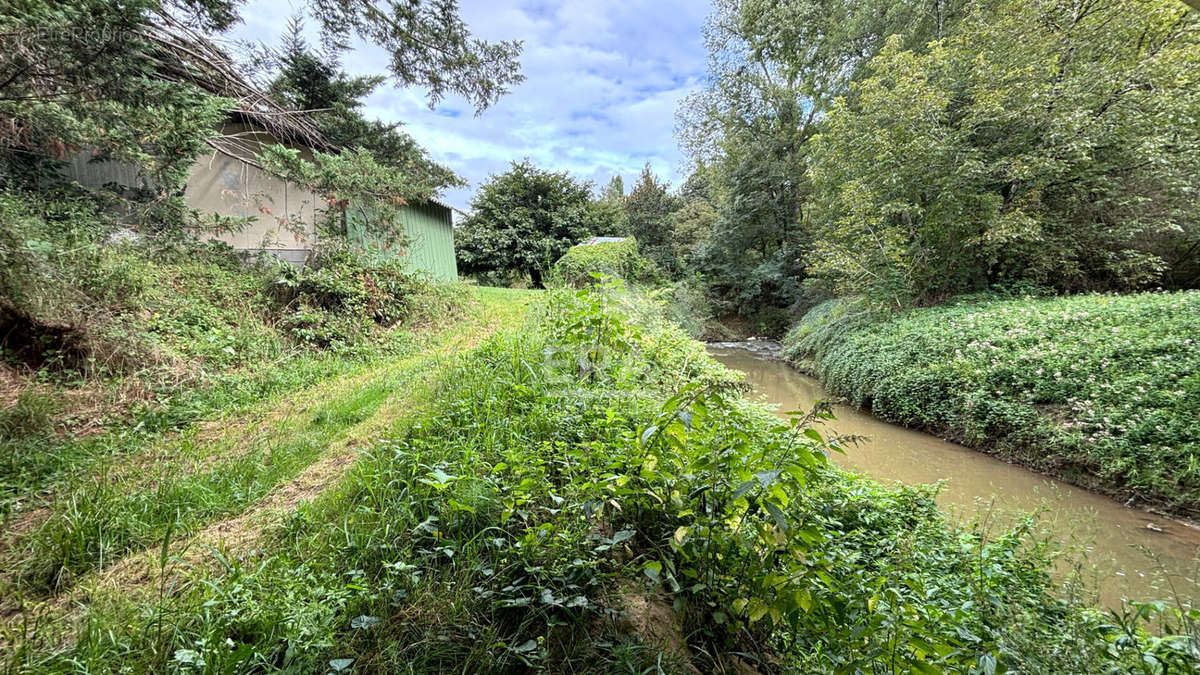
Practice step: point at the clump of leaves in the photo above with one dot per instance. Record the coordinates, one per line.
(343, 296)
(586, 264)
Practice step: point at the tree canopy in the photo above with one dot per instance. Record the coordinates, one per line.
(648, 209)
(109, 77)
(1044, 143)
(907, 151)
(525, 219)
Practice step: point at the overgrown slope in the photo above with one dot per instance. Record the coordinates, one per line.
(590, 493)
(1099, 389)
(108, 338)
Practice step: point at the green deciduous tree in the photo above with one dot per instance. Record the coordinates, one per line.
(1049, 143)
(774, 70)
(525, 219)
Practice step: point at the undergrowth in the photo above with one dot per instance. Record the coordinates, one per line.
(562, 476)
(586, 264)
(119, 336)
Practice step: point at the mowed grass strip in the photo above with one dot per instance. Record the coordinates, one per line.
(97, 519)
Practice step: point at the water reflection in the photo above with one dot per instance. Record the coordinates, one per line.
(1112, 535)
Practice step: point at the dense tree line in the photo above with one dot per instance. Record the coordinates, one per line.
(914, 150)
(909, 151)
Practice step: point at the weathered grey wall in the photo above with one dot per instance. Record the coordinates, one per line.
(283, 216)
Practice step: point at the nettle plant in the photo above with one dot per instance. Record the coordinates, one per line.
(709, 491)
(594, 335)
(736, 547)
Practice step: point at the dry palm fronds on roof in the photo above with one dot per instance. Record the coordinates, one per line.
(40, 69)
(186, 56)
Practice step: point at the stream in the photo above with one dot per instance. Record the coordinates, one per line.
(1120, 544)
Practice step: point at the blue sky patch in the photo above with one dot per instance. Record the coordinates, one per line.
(603, 81)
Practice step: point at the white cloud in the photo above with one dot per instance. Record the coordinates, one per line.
(602, 83)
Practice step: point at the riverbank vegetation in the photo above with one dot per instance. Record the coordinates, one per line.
(910, 152)
(1098, 389)
(590, 492)
(220, 463)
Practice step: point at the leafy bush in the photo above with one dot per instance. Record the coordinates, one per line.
(65, 280)
(341, 298)
(585, 264)
(1099, 389)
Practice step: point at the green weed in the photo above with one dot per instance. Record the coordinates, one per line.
(593, 462)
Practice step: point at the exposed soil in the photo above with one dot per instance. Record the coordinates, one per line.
(650, 617)
(11, 386)
(33, 342)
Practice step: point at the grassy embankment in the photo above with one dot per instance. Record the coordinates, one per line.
(212, 462)
(1101, 390)
(586, 493)
(105, 504)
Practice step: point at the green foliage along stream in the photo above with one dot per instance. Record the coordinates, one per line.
(1102, 390)
(591, 493)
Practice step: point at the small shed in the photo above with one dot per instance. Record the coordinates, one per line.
(228, 181)
(428, 244)
(282, 216)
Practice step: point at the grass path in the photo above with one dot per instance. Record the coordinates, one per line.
(229, 481)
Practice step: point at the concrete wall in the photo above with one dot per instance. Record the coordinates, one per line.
(283, 216)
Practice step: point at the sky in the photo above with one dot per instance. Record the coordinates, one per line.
(602, 83)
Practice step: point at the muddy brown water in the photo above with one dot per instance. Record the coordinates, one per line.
(1128, 553)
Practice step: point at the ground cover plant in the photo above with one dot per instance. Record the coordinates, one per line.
(1099, 389)
(108, 337)
(201, 479)
(590, 493)
(125, 357)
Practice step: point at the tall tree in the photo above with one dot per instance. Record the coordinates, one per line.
(304, 79)
(524, 220)
(1049, 143)
(615, 190)
(648, 210)
(774, 70)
